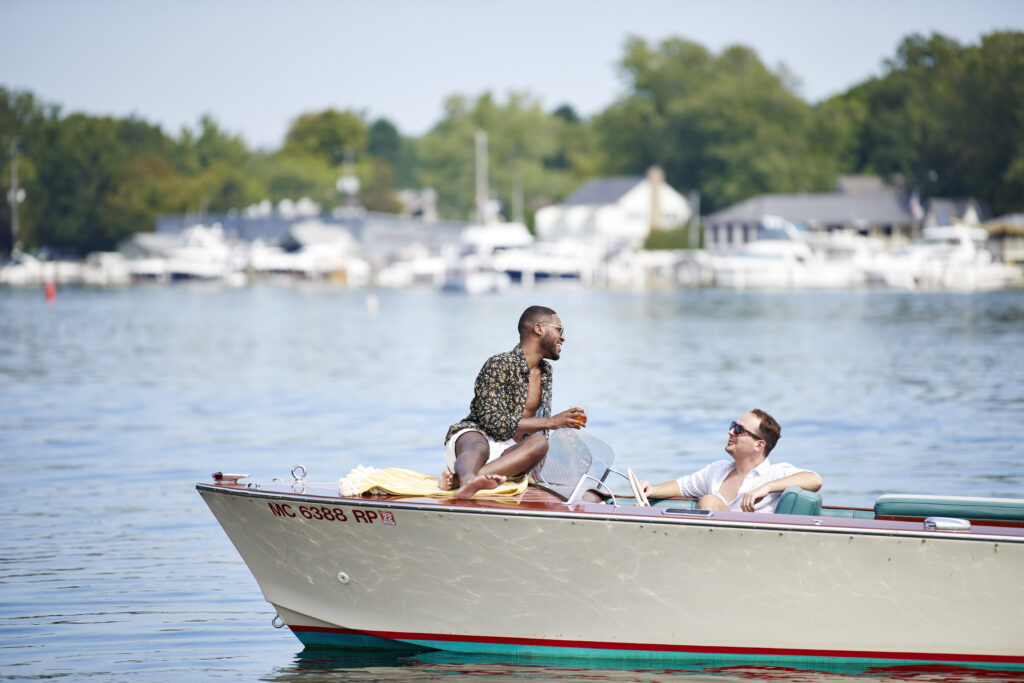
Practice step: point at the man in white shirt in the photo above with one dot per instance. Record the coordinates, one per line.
(749, 482)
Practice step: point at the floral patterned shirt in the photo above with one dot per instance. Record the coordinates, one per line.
(500, 396)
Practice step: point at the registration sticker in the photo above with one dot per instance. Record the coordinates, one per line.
(387, 517)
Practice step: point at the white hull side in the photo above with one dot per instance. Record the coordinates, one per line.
(542, 577)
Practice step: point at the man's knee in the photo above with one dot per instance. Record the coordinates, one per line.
(470, 454)
(711, 502)
(472, 444)
(527, 454)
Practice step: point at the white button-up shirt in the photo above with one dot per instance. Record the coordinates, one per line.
(709, 480)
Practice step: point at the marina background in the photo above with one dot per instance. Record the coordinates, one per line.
(116, 402)
(724, 124)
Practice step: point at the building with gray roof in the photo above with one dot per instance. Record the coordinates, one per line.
(862, 206)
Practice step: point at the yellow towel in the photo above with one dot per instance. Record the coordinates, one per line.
(401, 482)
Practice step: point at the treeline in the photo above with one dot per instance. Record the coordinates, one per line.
(944, 119)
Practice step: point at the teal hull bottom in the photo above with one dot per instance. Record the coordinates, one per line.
(566, 652)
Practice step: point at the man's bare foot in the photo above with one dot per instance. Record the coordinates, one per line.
(447, 481)
(479, 483)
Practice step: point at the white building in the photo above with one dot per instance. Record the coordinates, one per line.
(615, 211)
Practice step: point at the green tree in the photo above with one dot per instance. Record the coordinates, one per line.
(145, 187)
(725, 124)
(329, 134)
(196, 151)
(377, 191)
(22, 120)
(948, 119)
(384, 142)
(836, 132)
(904, 133)
(990, 126)
(408, 166)
(522, 139)
(576, 148)
(224, 186)
(77, 159)
(294, 175)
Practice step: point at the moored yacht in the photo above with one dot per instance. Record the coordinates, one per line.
(784, 257)
(945, 258)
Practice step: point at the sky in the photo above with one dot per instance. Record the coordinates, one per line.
(256, 65)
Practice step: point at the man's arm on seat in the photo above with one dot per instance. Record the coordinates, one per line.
(805, 480)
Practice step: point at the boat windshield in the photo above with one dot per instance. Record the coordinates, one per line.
(573, 454)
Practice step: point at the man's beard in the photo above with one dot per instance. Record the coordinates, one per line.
(550, 346)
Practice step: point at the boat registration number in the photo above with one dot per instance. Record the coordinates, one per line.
(323, 513)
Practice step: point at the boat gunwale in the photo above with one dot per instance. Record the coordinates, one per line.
(637, 515)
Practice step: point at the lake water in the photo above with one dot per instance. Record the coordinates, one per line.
(115, 403)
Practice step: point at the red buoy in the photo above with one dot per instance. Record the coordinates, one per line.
(50, 291)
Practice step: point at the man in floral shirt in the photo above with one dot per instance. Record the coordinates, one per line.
(504, 434)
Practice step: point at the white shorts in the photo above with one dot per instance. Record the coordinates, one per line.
(497, 447)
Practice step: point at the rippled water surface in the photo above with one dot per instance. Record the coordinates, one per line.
(115, 403)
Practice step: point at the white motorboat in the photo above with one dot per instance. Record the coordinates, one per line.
(315, 261)
(784, 257)
(549, 263)
(916, 579)
(492, 257)
(475, 275)
(26, 270)
(105, 269)
(945, 258)
(415, 266)
(204, 253)
(470, 265)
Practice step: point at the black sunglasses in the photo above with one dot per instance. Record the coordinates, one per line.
(739, 430)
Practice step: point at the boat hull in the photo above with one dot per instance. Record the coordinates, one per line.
(517, 580)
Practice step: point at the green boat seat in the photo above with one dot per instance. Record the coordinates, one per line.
(798, 501)
(965, 507)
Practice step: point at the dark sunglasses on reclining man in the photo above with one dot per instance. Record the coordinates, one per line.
(739, 430)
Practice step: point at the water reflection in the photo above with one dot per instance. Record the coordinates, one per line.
(312, 665)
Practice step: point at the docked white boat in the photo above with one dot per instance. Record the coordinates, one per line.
(916, 579)
(492, 257)
(550, 263)
(945, 258)
(471, 275)
(416, 266)
(197, 253)
(105, 269)
(471, 264)
(25, 270)
(784, 257)
(316, 261)
(205, 254)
